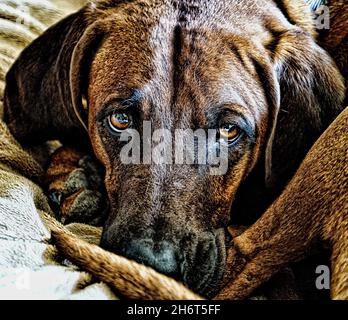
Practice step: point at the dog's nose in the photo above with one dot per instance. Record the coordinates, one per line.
(160, 256)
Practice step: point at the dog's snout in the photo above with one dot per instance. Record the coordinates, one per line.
(161, 256)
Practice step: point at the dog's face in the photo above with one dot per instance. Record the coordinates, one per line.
(211, 67)
(172, 216)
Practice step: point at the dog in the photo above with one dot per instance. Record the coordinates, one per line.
(251, 70)
(313, 208)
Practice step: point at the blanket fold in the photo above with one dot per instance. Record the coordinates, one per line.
(30, 266)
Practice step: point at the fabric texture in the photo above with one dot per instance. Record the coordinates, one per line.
(30, 267)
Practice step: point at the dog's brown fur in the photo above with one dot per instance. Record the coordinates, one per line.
(181, 64)
(312, 209)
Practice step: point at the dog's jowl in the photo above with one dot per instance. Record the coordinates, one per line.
(249, 70)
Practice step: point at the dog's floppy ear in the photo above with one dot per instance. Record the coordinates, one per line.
(311, 97)
(43, 98)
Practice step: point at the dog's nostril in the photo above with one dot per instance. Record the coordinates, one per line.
(160, 256)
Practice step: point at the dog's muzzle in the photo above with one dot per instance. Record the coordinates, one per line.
(198, 261)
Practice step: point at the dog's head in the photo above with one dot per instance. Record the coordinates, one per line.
(141, 66)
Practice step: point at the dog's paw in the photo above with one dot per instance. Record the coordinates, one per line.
(75, 187)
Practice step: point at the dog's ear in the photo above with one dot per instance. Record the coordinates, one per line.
(43, 97)
(311, 97)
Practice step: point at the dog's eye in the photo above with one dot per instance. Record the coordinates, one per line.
(119, 121)
(230, 132)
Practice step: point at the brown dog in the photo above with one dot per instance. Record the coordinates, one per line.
(249, 69)
(312, 209)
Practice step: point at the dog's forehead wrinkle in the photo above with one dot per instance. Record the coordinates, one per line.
(161, 41)
(160, 86)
